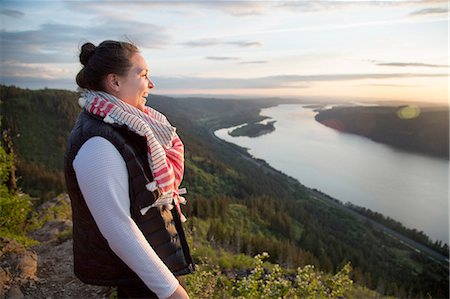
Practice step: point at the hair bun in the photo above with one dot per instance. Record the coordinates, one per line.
(87, 50)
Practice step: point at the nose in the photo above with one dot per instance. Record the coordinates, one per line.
(150, 83)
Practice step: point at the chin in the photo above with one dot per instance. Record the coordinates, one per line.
(141, 106)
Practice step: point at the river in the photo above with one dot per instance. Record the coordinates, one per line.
(408, 187)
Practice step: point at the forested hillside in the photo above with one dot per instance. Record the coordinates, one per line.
(418, 129)
(39, 122)
(235, 207)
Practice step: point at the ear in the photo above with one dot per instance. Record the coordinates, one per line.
(112, 82)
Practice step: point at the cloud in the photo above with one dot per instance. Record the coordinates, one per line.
(187, 82)
(347, 77)
(318, 6)
(430, 11)
(254, 62)
(56, 43)
(37, 45)
(49, 54)
(244, 44)
(221, 58)
(388, 85)
(17, 69)
(244, 8)
(39, 83)
(409, 64)
(12, 13)
(281, 81)
(209, 42)
(240, 8)
(312, 6)
(206, 42)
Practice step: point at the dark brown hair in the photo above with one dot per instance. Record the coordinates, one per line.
(110, 57)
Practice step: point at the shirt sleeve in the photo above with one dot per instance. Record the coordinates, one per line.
(103, 180)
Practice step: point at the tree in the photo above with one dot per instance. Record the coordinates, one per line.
(14, 208)
(8, 160)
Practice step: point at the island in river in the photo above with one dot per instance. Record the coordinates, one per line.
(253, 129)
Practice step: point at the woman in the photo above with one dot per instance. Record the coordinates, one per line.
(123, 165)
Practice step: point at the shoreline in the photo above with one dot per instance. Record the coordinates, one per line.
(331, 201)
(408, 128)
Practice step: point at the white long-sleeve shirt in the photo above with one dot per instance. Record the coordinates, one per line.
(103, 179)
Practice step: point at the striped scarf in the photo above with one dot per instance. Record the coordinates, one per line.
(165, 151)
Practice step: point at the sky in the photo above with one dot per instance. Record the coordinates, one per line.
(391, 50)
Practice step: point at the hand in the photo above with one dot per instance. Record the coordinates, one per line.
(180, 293)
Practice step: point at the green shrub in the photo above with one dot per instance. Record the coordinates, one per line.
(311, 283)
(19, 237)
(208, 281)
(4, 166)
(65, 235)
(14, 210)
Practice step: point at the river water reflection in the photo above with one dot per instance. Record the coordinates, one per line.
(411, 188)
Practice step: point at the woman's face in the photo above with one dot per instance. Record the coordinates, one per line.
(135, 86)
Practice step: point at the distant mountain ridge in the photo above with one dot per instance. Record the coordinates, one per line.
(234, 205)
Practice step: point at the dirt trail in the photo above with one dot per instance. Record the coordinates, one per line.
(45, 270)
(56, 278)
(52, 278)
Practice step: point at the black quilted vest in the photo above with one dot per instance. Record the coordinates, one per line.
(94, 261)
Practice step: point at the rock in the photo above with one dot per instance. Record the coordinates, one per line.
(25, 264)
(17, 261)
(5, 277)
(14, 293)
(9, 245)
(17, 266)
(51, 230)
(58, 208)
